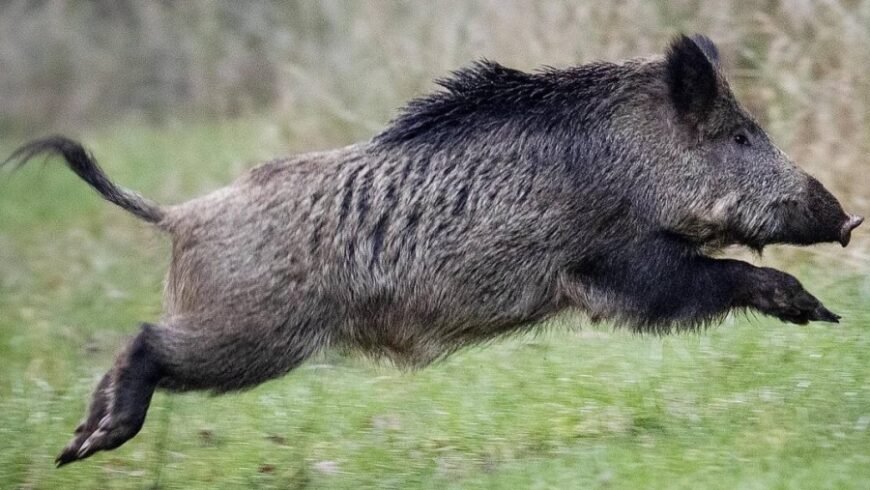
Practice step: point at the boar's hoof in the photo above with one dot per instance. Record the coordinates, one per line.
(110, 433)
(119, 404)
(781, 295)
(806, 308)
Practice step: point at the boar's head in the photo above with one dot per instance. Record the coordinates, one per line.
(729, 183)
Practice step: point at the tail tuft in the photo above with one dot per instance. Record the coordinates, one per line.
(85, 166)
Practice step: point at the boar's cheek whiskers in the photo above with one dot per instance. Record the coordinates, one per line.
(752, 225)
(709, 226)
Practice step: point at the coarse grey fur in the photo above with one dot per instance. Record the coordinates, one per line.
(482, 209)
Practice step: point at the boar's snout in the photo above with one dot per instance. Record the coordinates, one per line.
(846, 231)
(815, 217)
(827, 219)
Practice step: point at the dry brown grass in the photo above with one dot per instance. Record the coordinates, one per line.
(334, 71)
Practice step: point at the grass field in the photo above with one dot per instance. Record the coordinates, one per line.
(753, 403)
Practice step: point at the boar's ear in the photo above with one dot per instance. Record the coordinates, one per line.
(708, 47)
(691, 66)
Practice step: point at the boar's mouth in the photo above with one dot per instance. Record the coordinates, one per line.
(787, 223)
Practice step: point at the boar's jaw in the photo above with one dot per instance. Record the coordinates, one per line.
(789, 223)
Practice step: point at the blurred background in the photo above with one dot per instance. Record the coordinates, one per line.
(178, 98)
(332, 72)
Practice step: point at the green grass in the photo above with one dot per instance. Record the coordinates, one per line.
(753, 403)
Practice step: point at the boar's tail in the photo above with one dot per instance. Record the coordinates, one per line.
(85, 166)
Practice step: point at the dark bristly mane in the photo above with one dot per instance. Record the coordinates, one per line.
(482, 88)
(485, 94)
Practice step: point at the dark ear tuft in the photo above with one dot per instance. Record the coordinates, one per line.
(692, 78)
(708, 47)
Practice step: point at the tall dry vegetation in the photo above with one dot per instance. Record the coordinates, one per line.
(341, 68)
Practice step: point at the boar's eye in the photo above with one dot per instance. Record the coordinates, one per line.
(741, 139)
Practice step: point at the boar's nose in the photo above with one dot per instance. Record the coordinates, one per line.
(846, 231)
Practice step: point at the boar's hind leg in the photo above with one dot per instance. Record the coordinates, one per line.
(228, 354)
(233, 353)
(119, 403)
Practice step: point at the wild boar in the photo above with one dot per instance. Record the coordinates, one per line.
(482, 209)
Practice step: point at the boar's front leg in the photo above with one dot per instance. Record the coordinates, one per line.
(778, 294)
(679, 290)
(705, 287)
